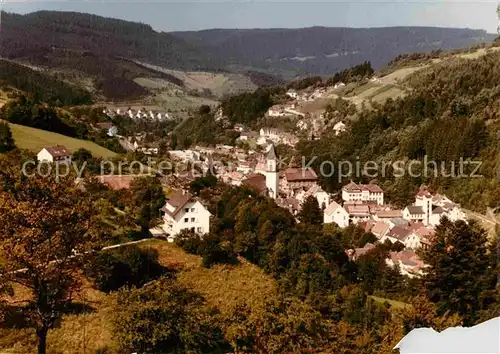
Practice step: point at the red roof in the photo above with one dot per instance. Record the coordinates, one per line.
(256, 181)
(105, 125)
(58, 151)
(178, 200)
(300, 174)
(372, 188)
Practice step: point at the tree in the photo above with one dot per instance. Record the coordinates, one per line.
(164, 317)
(131, 266)
(147, 198)
(458, 271)
(47, 226)
(6, 139)
(311, 212)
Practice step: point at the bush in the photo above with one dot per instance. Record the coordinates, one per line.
(128, 265)
(190, 242)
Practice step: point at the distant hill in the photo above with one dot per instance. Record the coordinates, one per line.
(74, 40)
(322, 50)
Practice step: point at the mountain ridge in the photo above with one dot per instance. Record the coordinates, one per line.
(281, 52)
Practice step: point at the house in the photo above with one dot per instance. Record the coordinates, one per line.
(380, 229)
(111, 129)
(414, 213)
(292, 94)
(292, 204)
(363, 192)
(409, 263)
(276, 111)
(298, 178)
(54, 154)
(355, 253)
(358, 212)
(182, 211)
(339, 128)
(335, 213)
(317, 192)
(396, 234)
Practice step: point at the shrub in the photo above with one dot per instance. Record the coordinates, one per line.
(128, 265)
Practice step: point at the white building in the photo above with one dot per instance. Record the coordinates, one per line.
(184, 212)
(292, 94)
(353, 192)
(337, 214)
(430, 209)
(339, 128)
(317, 192)
(276, 111)
(54, 154)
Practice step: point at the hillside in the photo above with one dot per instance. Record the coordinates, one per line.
(35, 139)
(223, 287)
(322, 51)
(73, 41)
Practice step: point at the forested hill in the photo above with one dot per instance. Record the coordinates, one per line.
(38, 35)
(322, 50)
(44, 37)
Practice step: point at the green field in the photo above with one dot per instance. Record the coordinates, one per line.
(35, 140)
(394, 303)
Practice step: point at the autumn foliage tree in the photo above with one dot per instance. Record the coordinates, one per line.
(47, 226)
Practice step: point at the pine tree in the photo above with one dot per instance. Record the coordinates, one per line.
(458, 271)
(311, 212)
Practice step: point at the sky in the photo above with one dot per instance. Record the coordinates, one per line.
(165, 15)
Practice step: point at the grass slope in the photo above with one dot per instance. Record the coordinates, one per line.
(35, 139)
(223, 286)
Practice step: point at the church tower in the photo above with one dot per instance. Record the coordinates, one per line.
(272, 173)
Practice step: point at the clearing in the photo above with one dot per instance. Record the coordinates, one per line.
(36, 139)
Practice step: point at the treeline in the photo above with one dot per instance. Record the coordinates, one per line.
(247, 107)
(41, 86)
(345, 76)
(202, 128)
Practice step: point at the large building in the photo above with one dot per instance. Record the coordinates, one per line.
(184, 212)
(353, 192)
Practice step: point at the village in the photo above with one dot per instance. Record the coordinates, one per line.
(357, 204)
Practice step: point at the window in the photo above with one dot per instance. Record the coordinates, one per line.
(193, 210)
(198, 229)
(186, 210)
(186, 219)
(193, 219)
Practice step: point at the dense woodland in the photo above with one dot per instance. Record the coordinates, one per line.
(41, 86)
